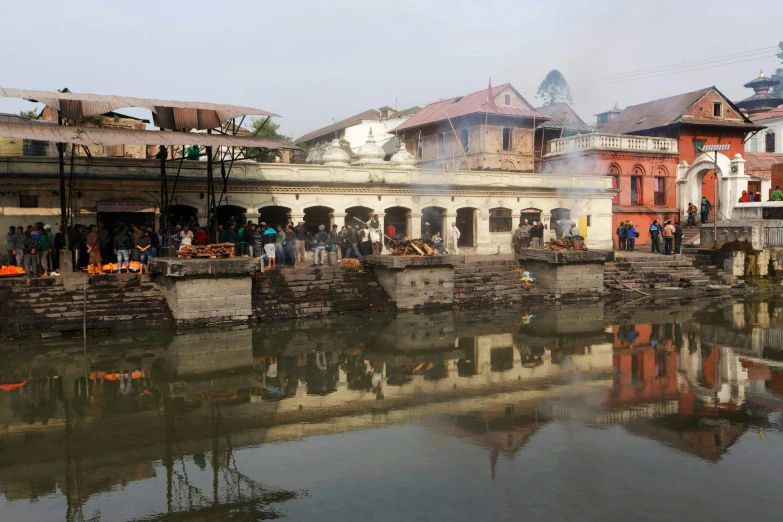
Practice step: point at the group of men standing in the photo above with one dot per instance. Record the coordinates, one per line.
(528, 236)
(34, 249)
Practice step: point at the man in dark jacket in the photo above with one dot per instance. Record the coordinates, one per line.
(333, 241)
(631, 234)
(122, 248)
(30, 251)
(321, 240)
(622, 237)
(230, 236)
(290, 246)
(655, 236)
(353, 239)
(678, 233)
(103, 243)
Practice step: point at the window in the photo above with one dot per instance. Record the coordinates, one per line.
(636, 190)
(770, 141)
(463, 134)
(660, 192)
(114, 151)
(506, 138)
(717, 109)
(589, 220)
(499, 220)
(28, 201)
(507, 99)
(441, 144)
(420, 148)
(697, 146)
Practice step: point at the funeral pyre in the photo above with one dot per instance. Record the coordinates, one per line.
(207, 251)
(566, 243)
(413, 248)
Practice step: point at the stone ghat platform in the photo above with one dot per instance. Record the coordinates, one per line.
(567, 274)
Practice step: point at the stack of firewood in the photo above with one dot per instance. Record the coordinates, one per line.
(207, 251)
(413, 247)
(566, 243)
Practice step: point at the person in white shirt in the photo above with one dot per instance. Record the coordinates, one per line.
(186, 236)
(455, 235)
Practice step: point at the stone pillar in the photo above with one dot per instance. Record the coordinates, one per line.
(732, 184)
(338, 218)
(297, 217)
(483, 241)
(252, 216)
(414, 224)
(286, 156)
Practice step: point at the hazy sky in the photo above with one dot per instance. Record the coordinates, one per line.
(312, 61)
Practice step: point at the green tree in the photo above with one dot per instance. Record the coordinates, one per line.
(30, 115)
(554, 89)
(777, 90)
(265, 128)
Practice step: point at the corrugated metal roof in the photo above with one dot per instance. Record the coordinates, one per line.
(114, 136)
(774, 113)
(666, 111)
(370, 114)
(762, 161)
(167, 114)
(473, 103)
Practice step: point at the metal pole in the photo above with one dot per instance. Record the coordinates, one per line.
(164, 201)
(211, 211)
(63, 208)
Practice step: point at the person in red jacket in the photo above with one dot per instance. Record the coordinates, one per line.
(201, 236)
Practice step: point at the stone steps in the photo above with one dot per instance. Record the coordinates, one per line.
(657, 272)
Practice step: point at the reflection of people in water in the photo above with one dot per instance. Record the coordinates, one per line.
(321, 374)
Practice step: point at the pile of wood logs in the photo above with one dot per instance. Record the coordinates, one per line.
(412, 248)
(566, 243)
(207, 251)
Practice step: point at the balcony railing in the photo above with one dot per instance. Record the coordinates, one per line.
(596, 141)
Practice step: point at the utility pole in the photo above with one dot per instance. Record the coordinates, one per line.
(715, 148)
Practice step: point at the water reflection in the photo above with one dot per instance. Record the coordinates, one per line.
(162, 415)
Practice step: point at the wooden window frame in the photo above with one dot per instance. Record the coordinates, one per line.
(508, 143)
(500, 219)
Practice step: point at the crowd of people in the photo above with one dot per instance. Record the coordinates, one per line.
(532, 236)
(665, 238)
(34, 249)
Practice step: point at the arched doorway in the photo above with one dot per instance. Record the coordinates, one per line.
(433, 216)
(699, 181)
(316, 216)
(559, 214)
(362, 213)
(181, 215)
(466, 223)
(398, 218)
(224, 213)
(274, 215)
(531, 214)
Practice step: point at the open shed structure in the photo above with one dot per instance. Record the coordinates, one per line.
(176, 119)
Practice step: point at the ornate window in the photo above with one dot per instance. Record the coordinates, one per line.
(614, 172)
(500, 220)
(660, 191)
(770, 141)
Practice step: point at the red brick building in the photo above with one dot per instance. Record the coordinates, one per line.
(642, 145)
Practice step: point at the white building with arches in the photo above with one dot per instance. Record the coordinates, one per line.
(487, 206)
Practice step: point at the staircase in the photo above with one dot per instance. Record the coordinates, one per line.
(655, 272)
(43, 305)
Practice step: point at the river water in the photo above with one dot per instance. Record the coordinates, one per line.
(662, 410)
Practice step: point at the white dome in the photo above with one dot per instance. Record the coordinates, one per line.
(335, 156)
(402, 159)
(315, 155)
(369, 153)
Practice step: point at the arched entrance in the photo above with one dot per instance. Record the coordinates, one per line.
(362, 213)
(316, 216)
(181, 215)
(698, 180)
(559, 214)
(466, 223)
(398, 218)
(433, 216)
(224, 213)
(274, 215)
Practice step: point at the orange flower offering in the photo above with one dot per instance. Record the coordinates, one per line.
(10, 270)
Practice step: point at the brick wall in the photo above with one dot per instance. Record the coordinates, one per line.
(777, 175)
(490, 282)
(303, 292)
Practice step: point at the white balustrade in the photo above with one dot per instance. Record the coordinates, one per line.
(613, 141)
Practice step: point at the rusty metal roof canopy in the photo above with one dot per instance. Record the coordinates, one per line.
(116, 136)
(166, 114)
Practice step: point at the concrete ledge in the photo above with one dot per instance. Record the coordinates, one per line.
(566, 257)
(175, 267)
(400, 262)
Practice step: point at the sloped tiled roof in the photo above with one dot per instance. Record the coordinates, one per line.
(371, 114)
(759, 162)
(666, 111)
(571, 123)
(473, 103)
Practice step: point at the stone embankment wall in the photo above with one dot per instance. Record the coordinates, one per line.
(304, 292)
(42, 306)
(490, 282)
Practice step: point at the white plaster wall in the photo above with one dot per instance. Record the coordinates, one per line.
(773, 124)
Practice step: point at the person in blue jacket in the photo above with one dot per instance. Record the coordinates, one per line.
(632, 235)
